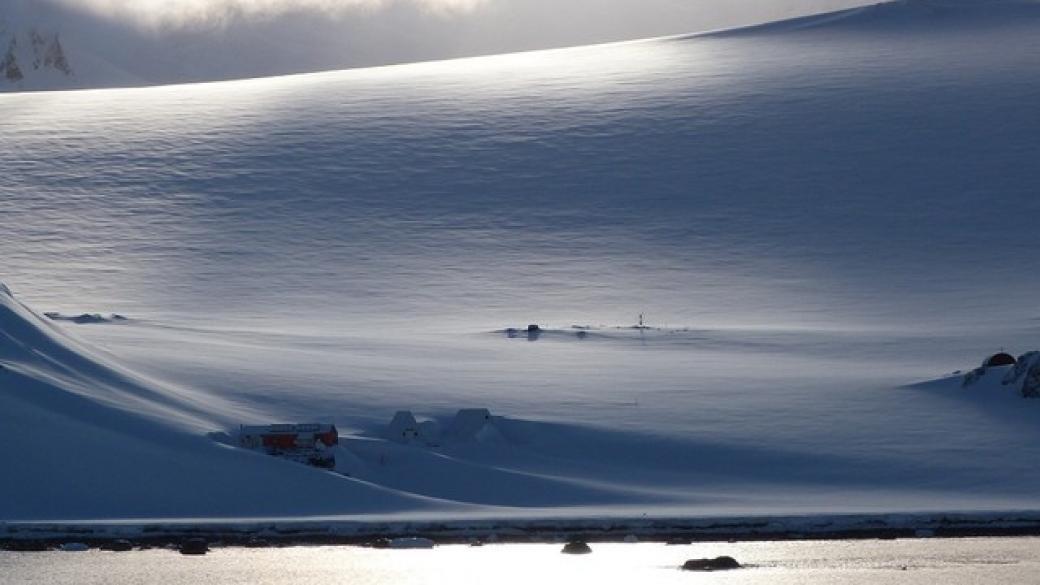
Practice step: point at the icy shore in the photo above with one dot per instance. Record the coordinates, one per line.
(24, 536)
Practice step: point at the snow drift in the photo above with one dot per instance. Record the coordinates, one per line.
(87, 439)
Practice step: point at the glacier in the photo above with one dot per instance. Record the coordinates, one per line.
(815, 216)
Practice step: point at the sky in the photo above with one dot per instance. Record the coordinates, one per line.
(160, 41)
(190, 12)
(623, 17)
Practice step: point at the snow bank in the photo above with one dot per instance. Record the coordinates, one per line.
(88, 439)
(36, 349)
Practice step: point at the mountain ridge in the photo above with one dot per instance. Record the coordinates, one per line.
(31, 54)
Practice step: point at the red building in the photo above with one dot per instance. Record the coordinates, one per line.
(306, 443)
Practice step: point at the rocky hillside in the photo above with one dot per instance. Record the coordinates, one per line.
(31, 54)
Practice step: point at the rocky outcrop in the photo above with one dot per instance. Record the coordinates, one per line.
(1021, 367)
(194, 546)
(716, 564)
(30, 53)
(1031, 383)
(576, 547)
(54, 57)
(1025, 370)
(9, 65)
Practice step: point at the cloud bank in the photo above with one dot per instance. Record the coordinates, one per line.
(146, 42)
(189, 12)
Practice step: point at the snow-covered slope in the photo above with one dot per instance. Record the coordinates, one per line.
(88, 439)
(902, 17)
(811, 216)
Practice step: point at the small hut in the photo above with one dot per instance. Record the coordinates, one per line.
(999, 359)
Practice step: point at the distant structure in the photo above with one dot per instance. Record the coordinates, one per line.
(469, 425)
(404, 428)
(999, 359)
(303, 443)
(533, 332)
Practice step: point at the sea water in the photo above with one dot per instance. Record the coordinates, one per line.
(1007, 561)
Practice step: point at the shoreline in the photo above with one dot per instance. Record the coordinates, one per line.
(42, 536)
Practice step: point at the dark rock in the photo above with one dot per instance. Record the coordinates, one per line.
(37, 41)
(576, 547)
(28, 546)
(9, 64)
(194, 546)
(1031, 383)
(1022, 365)
(55, 57)
(716, 564)
(86, 318)
(121, 545)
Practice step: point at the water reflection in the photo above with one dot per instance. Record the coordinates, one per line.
(922, 562)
